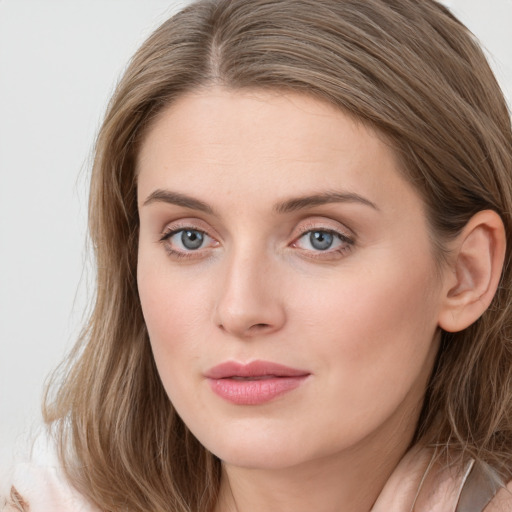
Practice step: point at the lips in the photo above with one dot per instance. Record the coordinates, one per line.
(254, 383)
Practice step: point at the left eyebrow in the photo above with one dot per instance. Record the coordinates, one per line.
(301, 203)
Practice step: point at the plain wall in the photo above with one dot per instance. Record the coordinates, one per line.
(59, 61)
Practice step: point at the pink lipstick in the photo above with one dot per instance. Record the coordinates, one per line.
(253, 383)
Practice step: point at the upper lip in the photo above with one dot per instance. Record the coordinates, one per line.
(253, 369)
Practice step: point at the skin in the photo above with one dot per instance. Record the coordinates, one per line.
(361, 317)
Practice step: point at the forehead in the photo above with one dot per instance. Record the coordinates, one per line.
(263, 146)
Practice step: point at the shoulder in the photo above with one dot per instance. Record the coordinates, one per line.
(38, 484)
(502, 502)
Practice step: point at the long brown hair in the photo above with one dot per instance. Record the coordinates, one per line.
(408, 69)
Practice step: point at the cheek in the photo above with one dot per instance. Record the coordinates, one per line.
(373, 330)
(174, 311)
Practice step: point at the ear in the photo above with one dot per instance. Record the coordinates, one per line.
(475, 271)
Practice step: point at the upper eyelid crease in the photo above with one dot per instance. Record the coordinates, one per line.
(288, 206)
(167, 233)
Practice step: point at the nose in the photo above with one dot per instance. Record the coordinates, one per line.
(250, 301)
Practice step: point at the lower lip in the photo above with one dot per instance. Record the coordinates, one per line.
(254, 392)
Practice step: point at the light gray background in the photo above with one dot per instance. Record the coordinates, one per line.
(59, 61)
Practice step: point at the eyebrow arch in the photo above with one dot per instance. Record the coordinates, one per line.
(301, 203)
(166, 196)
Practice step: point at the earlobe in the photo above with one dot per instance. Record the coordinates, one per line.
(479, 253)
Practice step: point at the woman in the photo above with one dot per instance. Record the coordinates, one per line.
(301, 213)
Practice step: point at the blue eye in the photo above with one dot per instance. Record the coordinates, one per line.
(321, 240)
(186, 240)
(191, 239)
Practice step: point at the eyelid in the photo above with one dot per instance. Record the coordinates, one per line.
(191, 224)
(169, 233)
(324, 224)
(341, 237)
(346, 239)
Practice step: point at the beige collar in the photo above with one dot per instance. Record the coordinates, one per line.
(420, 485)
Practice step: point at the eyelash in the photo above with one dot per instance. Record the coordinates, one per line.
(347, 242)
(169, 233)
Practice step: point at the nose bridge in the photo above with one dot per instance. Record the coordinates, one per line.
(249, 300)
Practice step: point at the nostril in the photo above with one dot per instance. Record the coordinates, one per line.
(260, 326)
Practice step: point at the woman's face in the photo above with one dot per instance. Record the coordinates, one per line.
(286, 277)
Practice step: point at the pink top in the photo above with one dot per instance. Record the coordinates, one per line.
(415, 486)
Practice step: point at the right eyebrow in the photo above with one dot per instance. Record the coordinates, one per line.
(178, 199)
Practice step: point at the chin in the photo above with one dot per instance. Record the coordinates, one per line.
(241, 445)
(260, 457)
(254, 450)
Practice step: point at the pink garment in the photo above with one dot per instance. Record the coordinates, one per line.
(415, 486)
(41, 483)
(418, 486)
